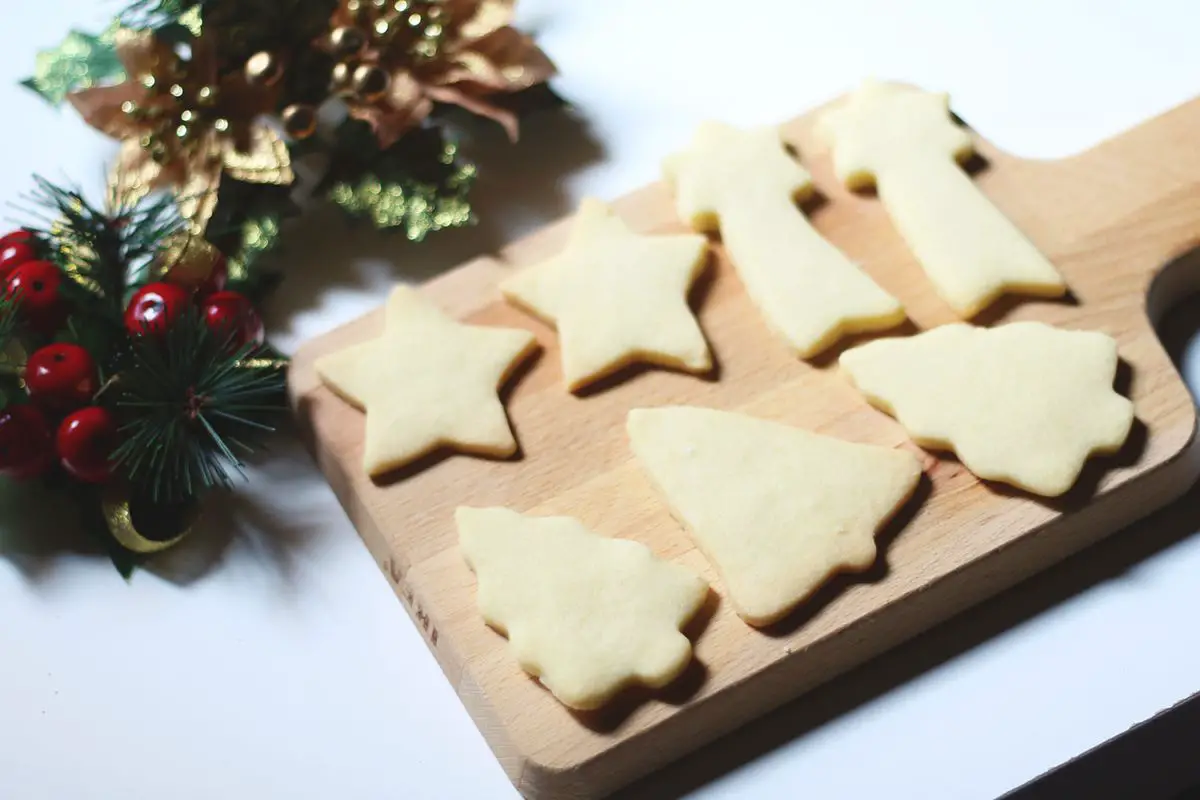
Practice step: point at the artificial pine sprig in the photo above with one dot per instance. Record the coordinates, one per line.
(103, 250)
(192, 407)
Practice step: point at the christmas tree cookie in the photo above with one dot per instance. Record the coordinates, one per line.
(586, 614)
(617, 298)
(427, 382)
(904, 142)
(1025, 403)
(778, 510)
(745, 184)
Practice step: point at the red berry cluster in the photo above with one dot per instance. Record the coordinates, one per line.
(155, 306)
(62, 379)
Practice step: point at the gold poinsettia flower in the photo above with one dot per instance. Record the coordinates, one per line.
(182, 126)
(396, 58)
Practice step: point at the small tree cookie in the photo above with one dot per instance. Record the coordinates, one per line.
(586, 614)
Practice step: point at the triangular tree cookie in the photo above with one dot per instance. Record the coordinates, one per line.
(585, 613)
(778, 510)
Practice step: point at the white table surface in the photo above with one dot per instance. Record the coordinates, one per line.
(276, 661)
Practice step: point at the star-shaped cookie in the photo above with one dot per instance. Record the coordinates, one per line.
(586, 614)
(617, 298)
(746, 184)
(1024, 403)
(427, 382)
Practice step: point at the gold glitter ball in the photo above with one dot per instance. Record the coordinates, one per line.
(263, 69)
(371, 83)
(347, 41)
(300, 121)
(341, 77)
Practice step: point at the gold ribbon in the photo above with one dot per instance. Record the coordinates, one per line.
(119, 513)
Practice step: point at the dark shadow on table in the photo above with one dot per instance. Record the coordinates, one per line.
(41, 532)
(521, 186)
(1156, 760)
(1113, 559)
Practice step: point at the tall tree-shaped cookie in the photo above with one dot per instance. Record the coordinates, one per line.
(427, 382)
(745, 184)
(586, 614)
(1024, 403)
(778, 510)
(904, 142)
(617, 297)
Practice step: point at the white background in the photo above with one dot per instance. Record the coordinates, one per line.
(276, 662)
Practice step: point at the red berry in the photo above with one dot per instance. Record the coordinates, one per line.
(15, 249)
(26, 449)
(154, 307)
(37, 287)
(22, 235)
(86, 440)
(61, 377)
(230, 314)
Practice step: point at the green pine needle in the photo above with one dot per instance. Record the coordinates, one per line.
(102, 250)
(192, 410)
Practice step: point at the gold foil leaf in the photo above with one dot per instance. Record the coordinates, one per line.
(132, 176)
(197, 198)
(266, 161)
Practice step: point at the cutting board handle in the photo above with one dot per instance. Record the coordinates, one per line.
(1147, 184)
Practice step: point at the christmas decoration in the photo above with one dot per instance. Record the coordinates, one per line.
(198, 91)
(128, 402)
(134, 377)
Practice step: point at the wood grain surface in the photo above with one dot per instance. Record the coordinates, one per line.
(1109, 218)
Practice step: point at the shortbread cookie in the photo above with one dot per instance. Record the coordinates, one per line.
(427, 382)
(904, 142)
(586, 614)
(778, 510)
(745, 184)
(617, 298)
(1024, 403)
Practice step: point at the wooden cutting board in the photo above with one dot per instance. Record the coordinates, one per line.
(1111, 219)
